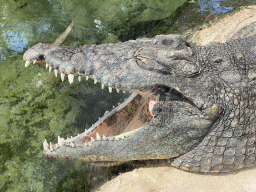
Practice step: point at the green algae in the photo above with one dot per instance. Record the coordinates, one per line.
(31, 112)
(35, 106)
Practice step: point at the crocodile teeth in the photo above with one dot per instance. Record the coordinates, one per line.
(104, 138)
(102, 86)
(60, 141)
(51, 147)
(88, 144)
(46, 65)
(34, 62)
(111, 138)
(124, 91)
(79, 78)
(178, 89)
(110, 89)
(62, 76)
(98, 137)
(92, 139)
(27, 63)
(56, 72)
(87, 77)
(70, 78)
(106, 112)
(50, 69)
(72, 145)
(117, 90)
(46, 145)
(95, 81)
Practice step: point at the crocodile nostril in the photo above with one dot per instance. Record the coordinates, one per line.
(41, 57)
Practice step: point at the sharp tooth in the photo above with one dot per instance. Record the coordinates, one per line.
(70, 78)
(87, 77)
(106, 112)
(102, 86)
(72, 145)
(60, 141)
(56, 72)
(124, 91)
(46, 145)
(116, 138)
(95, 81)
(110, 89)
(92, 139)
(46, 65)
(51, 146)
(62, 76)
(79, 78)
(27, 63)
(98, 137)
(104, 138)
(111, 138)
(117, 90)
(34, 62)
(88, 144)
(50, 69)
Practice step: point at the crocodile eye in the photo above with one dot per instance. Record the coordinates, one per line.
(167, 41)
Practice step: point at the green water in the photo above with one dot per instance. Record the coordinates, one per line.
(35, 105)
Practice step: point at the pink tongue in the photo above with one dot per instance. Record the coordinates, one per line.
(152, 102)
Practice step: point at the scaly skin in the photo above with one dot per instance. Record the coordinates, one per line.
(194, 103)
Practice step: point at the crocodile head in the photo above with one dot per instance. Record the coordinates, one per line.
(172, 107)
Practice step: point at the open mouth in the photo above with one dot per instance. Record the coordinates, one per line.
(123, 121)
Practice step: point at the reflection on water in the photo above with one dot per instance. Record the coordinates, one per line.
(214, 6)
(14, 41)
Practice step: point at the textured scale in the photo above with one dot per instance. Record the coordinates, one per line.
(231, 143)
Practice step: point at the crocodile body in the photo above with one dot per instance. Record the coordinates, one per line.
(193, 104)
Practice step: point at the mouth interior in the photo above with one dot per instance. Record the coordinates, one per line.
(133, 113)
(129, 116)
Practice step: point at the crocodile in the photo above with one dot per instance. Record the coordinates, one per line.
(193, 104)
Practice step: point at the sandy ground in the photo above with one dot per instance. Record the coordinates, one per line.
(168, 179)
(226, 27)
